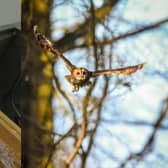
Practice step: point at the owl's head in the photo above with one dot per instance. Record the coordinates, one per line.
(80, 74)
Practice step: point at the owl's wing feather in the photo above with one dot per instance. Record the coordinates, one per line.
(125, 71)
(47, 45)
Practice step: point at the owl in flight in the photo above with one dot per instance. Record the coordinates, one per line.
(79, 76)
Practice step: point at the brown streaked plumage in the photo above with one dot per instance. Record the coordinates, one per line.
(47, 45)
(125, 71)
(80, 76)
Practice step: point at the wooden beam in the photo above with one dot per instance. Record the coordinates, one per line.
(10, 143)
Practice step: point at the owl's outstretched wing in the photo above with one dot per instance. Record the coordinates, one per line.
(125, 71)
(47, 45)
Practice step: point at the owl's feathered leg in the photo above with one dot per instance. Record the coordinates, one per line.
(71, 80)
(77, 83)
(75, 88)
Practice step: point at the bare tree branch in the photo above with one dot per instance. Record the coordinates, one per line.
(64, 94)
(122, 36)
(136, 123)
(149, 144)
(87, 97)
(69, 38)
(98, 119)
(140, 30)
(53, 147)
(80, 140)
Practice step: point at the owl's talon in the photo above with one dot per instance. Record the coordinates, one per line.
(75, 88)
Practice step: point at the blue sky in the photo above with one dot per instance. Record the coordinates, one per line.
(148, 91)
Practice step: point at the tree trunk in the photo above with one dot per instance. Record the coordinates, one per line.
(36, 87)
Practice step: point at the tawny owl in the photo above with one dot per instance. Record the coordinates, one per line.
(80, 76)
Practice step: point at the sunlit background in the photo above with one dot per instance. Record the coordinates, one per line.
(131, 108)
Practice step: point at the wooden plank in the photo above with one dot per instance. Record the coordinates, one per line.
(10, 143)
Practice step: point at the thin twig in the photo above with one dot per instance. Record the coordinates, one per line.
(53, 147)
(149, 144)
(65, 96)
(122, 36)
(86, 99)
(99, 108)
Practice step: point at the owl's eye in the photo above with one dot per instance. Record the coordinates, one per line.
(78, 73)
(84, 73)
